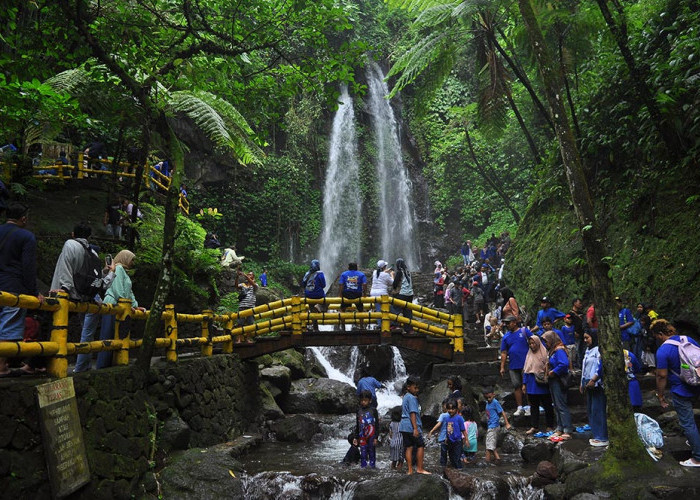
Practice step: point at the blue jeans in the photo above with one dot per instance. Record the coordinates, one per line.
(561, 409)
(12, 323)
(684, 409)
(87, 335)
(104, 358)
(454, 450)
(443, 453)
(596, 404)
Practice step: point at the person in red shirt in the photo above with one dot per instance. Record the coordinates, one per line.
(591, 318)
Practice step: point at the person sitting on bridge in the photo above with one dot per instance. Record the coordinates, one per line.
(314, 283)
(246, 295)
(353, 285)
(382, 280)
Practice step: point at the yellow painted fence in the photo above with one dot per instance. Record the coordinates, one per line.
(293, 314)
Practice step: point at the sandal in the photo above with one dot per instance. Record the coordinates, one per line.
(689, 463)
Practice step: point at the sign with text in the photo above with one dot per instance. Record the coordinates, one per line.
(63, 437)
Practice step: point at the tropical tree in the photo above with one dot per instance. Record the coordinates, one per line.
(147, 46)
(625, 444)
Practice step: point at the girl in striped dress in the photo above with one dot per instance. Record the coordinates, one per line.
(396, 453)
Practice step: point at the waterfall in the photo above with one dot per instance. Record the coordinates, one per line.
(340, 238)
(397, 217)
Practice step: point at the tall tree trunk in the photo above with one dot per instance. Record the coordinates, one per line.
(495, 185)
(569, 98)
(625, 445)
(154, 322)
(523, 126)
(639, 76)
(522, 77)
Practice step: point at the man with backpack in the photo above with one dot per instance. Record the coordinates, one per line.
(79, 273)
(678, 362)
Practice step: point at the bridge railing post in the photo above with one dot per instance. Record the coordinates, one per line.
(227, 347)
(386, 324)
(58, 364)
(207, 347)
(121, 357)
(296, 315)
(171, 332)
(458, 334)
(81, 174)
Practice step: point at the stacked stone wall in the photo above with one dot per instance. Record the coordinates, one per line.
(125, 422)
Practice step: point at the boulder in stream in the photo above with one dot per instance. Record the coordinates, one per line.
(400, 487)
(319, 395)
(536, 451)
(482, 485)
(202, 473)
(296, 429)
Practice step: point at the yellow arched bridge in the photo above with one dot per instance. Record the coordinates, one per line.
(276, 326)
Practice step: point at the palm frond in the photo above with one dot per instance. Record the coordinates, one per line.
(220, 121)
(435, 15)
(417, 59)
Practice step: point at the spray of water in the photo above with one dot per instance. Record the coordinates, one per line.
(340, 238)
(397, 217)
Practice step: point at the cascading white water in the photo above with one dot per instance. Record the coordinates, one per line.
(340, 238)
(397, 217)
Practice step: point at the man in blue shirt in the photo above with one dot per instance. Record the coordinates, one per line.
(546, 311)
(368, 383)
(668, 368)
(514, 346)
(353, 285)
(626, 320)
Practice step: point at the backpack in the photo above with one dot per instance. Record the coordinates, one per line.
(689, 355)
(311, 282)
(86, 278)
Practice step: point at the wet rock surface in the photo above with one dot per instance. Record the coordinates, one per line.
(311, 395)
(401, 487)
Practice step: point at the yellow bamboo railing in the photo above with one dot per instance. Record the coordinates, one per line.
(290, 314)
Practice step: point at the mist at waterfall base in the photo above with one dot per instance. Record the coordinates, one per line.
(277, 470)
(340, 241)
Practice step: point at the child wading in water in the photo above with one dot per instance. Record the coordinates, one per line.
(395, 440)
(411, 427)
(366, 430)
(494, 410)
(443, 432)
(472, 430)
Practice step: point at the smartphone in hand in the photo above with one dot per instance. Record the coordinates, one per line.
(108, 260)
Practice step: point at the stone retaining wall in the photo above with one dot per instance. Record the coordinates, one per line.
(197, 402)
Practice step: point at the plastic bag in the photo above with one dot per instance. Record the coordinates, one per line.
(649, 431)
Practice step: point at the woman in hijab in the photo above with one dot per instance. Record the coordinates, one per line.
(403, 284)
(535, 384)
(382, 280)
(592, 385)
(558, 368)
(119, 289)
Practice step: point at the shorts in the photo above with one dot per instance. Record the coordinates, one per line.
(12, 323)
(516, 378)
(409, 440)
(358, 305)
(492, 438)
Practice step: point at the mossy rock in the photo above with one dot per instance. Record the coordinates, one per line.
(293, 360)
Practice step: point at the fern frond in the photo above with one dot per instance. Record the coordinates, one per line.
(220, 121)
(417, 59)
(434, 16)
(414, 5)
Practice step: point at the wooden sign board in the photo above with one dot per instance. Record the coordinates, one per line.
(63, 437)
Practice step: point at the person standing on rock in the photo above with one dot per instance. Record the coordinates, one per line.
(514, 346)
(369, 384)
(535, 385)
(366, 430)
(592, 385)
(411, 427)
(668, 369)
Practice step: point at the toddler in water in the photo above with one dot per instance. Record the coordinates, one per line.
(472, 431)
(395, 440)
(366, 430)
